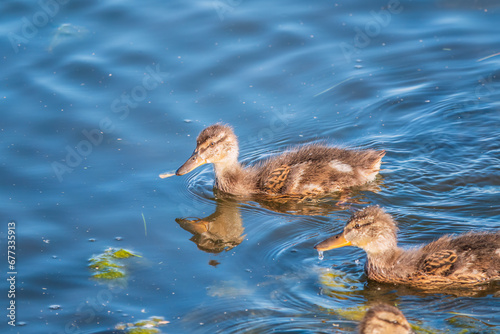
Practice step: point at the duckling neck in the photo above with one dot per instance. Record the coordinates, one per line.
(388, 263)
(230, 177)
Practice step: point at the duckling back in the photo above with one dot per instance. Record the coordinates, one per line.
(317, 169)
(467, 258)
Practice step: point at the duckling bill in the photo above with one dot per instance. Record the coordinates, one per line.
(467, 259)
(304, 170)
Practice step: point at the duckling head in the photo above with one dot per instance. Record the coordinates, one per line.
(371, 229)
(216, 144)
(384, 319)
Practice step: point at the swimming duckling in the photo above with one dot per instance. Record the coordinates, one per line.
(305, 170)
(384, 319)
(451, 261)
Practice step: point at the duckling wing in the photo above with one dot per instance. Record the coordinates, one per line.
(439, 263)
(277, 179)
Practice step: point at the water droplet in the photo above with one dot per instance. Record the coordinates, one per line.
(320, 255)
(55, 307)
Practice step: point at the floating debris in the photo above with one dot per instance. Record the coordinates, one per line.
(338, 84)
(168, 174)
(487, 57)
(213, 263)
(145, 227)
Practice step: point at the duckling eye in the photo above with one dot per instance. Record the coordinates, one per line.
(212, 144)
(357, 226)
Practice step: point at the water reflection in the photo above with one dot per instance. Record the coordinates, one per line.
(321, 206)
(348, 284)
(221, 231)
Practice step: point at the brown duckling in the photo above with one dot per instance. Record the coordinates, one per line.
(384, 319)
(451, 261)
(304, 170)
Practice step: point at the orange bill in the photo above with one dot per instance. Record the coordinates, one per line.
(336, 241)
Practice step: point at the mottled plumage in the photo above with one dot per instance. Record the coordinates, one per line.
(384, 319)
(453, 260)
(304, 170)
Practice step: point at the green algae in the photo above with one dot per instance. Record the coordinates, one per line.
(147, 326)
(422, 330)
(351, 313)
(143, 331)
(469, 324)
(110, 274)
(107, 266)
(123, 254)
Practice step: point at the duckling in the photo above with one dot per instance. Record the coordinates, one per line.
(305, 170)
(384, 319)
(451, 261)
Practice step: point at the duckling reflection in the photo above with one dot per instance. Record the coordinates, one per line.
(322, 205)
(221, 231)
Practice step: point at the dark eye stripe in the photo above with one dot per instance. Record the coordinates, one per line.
(213, 143)
(362, 225)
(392, 322)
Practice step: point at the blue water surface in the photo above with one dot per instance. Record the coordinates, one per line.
(99, 97)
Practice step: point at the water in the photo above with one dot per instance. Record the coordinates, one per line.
(103, 97)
